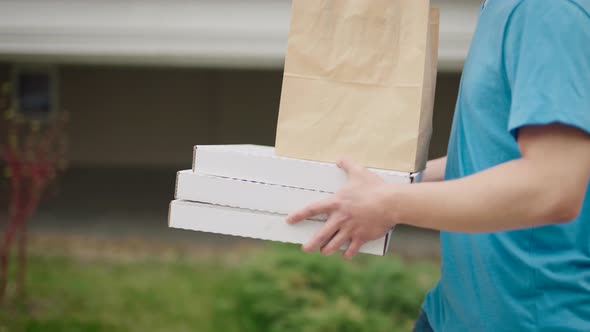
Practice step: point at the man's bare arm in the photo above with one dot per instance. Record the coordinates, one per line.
(435, 170)
(546, 185)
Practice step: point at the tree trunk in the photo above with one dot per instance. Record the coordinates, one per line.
(5, 254)
(22, 258)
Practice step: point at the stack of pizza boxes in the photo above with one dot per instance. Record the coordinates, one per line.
(248, 191)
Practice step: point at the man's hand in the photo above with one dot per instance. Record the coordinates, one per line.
(357, 214)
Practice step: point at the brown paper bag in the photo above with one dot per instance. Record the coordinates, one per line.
(359, 82)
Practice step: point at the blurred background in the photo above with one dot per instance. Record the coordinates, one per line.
(141, 83)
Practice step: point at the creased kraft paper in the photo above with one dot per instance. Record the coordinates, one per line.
(359, 82)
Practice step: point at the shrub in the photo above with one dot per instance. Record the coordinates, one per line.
(285, 290)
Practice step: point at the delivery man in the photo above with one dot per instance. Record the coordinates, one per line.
(514, 220)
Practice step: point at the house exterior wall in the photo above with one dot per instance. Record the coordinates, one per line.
(151, 117)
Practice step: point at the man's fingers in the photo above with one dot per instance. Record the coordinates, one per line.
(350, 167)
(323, 236)
(353, 249)
(336, 243)
(322, 207)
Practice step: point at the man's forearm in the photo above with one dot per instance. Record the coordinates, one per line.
(510, 196)
(435, 170)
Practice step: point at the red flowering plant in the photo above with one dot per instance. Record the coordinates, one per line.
(32, 154)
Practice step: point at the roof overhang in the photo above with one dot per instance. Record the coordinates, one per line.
(206, 33)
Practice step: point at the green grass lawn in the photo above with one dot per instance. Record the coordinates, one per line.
(278, 289)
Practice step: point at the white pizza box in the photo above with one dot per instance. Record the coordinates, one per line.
(218, 219)
(260, 164)
(250, 195)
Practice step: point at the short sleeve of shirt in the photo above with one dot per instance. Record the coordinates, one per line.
(547, 62)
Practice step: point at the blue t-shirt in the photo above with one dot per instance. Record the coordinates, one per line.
(529, 64)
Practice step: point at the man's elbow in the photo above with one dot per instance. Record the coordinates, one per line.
(565, 209)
